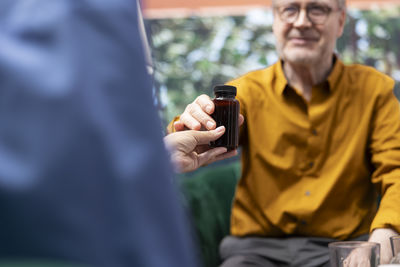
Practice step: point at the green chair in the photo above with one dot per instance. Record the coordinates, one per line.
(208, 196)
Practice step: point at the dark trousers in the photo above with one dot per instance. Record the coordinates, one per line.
(276, 252)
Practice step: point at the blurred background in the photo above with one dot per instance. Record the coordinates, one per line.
(198, 44)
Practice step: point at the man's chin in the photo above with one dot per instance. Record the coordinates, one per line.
(302, 58)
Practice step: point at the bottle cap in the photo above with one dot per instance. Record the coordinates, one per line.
(225, 89)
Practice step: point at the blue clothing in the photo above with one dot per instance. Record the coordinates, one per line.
(84, 176)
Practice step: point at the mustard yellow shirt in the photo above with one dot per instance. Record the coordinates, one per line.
(315, 168)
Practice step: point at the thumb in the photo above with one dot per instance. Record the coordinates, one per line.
(204, 137)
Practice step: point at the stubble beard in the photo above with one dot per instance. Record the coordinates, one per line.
(306, 58)
(303, 58)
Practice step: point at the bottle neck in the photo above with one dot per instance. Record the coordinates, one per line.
(224, 95)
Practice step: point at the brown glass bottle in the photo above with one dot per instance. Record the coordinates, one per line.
(226, 113)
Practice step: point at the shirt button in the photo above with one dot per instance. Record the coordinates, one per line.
(308, 193)
(303, 222)
(314, 132)
(311, 164)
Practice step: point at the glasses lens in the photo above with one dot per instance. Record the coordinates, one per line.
(288, 13)
(318, 14)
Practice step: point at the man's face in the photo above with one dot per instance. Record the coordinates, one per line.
(310, 36)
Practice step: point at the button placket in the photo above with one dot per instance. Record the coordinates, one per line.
(313, 146)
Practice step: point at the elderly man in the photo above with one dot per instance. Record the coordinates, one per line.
(320, 141)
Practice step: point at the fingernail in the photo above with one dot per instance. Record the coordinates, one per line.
(208, 108)
(210, 125)
(220, 129)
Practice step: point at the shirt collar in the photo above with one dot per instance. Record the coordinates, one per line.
(281, 82)
(336, 73)
(333, 77)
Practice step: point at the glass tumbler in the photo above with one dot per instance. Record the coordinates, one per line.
(354, 253)
(395, 243)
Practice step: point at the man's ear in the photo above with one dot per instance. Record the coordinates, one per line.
(342, 22)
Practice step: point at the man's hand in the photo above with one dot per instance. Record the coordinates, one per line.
(382, 236)
(197, 115)
(190, 149)
(359, 257)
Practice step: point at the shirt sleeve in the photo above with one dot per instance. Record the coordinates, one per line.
(170, 126)
(385, 157)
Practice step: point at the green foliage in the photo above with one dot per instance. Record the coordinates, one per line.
(192, 55)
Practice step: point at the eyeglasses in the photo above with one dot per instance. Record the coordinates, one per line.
(316, 14)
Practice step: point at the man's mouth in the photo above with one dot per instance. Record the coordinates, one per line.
(302, 40)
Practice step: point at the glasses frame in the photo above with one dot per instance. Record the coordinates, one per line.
(329, 11)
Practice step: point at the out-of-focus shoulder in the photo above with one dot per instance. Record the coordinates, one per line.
(368, 78)
(254, 80)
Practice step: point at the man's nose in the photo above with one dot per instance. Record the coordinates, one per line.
(302, 19)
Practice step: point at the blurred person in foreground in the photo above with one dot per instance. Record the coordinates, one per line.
(78, 183)
(320, 141)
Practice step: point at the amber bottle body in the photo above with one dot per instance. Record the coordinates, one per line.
(226, 114)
